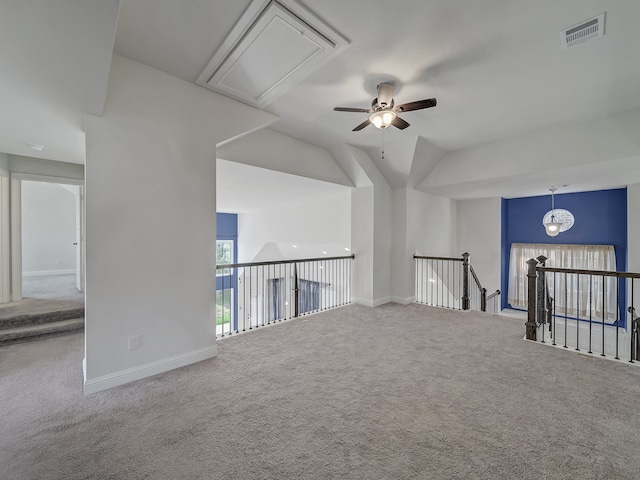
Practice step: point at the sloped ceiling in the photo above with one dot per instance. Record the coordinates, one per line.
(55, 59)
(496, 67)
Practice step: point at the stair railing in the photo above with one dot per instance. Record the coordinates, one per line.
(256, 294)
(451, 282)
(583, 309)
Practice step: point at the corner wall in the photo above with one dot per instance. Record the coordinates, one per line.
(633, 228)
(150, 229)
(423, 224)
(479, 234)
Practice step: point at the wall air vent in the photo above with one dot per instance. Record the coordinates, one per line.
(274, 45)
(583, 32)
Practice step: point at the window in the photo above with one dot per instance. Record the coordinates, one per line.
(277, 304)
(308, 296)
(575, 292)
(224, 256)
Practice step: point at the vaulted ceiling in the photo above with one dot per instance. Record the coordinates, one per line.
(496, 67)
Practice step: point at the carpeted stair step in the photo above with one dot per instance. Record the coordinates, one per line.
(40, 318)
(38, 331)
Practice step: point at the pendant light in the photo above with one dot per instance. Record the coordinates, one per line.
(552, 227)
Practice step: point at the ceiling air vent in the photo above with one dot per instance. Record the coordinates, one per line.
(583, 32)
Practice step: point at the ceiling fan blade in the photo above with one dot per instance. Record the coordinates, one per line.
(417, 105)
(347, 109)
(399, 123)
(362, 125)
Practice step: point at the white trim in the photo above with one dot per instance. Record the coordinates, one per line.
(403, 301)
(32, 177)
(16, 223)
(381, 301)
(143, 371)
(16, 238)
(371, 303)
(42, 273)
(5, 239)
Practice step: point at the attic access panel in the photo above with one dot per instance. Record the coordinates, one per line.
(275, 44)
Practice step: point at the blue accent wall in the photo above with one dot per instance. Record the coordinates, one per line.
(226, 226)
(227, 229)
(600, 219)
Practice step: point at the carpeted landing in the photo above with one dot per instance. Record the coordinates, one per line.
(395, 392)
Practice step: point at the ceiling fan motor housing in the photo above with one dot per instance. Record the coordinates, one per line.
(375, 105)
(385, 95)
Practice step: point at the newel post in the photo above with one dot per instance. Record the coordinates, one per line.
(531, 299)
(465, 282)
(296, 290)
(541, 295)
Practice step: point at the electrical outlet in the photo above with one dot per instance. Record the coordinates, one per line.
(134, 342)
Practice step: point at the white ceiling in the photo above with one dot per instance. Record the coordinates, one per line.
(496, 67)
(54, 58)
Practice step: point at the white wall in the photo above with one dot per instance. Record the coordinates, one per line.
(479, 234)
(311, 226)
(633, 228)
(371, 229)
(362, 245)
(382, 242)
(150, 229)
(48, 228)
(4, 164)
(431, 224)
(401, 257)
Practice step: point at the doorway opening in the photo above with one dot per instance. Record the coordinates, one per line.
(47, 245)
(50, 230)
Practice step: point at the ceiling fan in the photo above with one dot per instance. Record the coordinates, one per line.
(384, 113)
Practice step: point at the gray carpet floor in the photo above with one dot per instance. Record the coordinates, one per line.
(37, 306)
(396, 392)
(52, 287)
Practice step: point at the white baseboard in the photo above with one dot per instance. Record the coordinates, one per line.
(403, 301)
(371, 303)
(154, 368)
(42, 273)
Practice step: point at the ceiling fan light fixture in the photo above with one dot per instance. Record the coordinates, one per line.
(382, 118)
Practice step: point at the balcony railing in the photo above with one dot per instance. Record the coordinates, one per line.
(451, 282)
(253, 295)
(583, 310)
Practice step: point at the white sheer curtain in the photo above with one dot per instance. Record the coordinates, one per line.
(579, 295)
